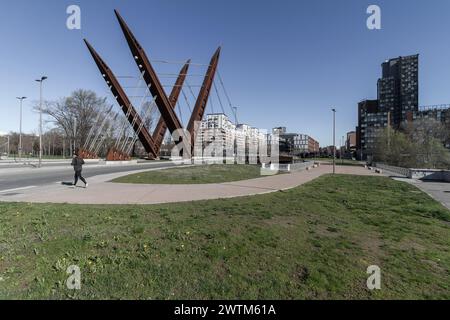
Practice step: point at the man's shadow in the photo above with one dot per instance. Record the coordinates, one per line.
(70, 184)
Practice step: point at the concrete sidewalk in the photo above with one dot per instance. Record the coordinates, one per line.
(101, 191)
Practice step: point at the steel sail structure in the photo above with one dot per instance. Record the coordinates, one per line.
(124, 102)
(166, 105)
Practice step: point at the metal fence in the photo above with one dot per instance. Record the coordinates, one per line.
(405, 172)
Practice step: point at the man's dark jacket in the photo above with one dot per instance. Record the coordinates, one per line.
(77, 163)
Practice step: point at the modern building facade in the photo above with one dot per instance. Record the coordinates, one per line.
(279, 130)
(398, 88)
(296, 144)
(350, 142)
(397, 103)
(219, 136)
(439, 113)
(218, 132)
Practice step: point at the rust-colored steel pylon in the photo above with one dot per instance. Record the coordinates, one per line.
(202, 100)
(124, 102)
(164, 104)
(161, 127)
(150, 77)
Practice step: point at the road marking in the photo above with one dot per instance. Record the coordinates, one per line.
(17, 189)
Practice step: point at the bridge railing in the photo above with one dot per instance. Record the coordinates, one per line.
(288, 167)
(406, 172)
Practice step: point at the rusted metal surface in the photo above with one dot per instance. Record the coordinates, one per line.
(165, 107)
(202, 100)
(124, 102)
(115, 154)
(85, 154)
(161, 127)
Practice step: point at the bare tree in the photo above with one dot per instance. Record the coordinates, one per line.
(418, 144)
(429, 137)
(76, 115)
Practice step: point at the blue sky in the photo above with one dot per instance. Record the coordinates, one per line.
(283, 62)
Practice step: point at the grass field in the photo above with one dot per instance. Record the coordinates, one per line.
(216, 173)
(341, 162)
(312, 242)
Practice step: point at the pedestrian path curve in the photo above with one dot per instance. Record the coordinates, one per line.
(102, 191)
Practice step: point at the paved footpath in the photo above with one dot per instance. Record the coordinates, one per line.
(101, 191)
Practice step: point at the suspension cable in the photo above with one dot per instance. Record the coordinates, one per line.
(187, 102)
(180, 62)
(210, 100)
(179, 111)
(218, 97)
(136, 88)
(144, 114)
(136, 116)
(190, 89)
(233, 110)
(175, 75)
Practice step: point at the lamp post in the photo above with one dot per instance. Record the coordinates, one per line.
(41, 80)
(74, 134)
(20, 129)
(235, 135)
(334, 140)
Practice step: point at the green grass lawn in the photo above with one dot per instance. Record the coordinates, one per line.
(216, 173)
(312, 242)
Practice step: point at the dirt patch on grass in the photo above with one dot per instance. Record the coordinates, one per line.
(407, 245)
(301, 274)
(326, 231)
(282, 221)
(372, 246)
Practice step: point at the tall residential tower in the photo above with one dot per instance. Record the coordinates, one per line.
(398, 88)
(398, 101)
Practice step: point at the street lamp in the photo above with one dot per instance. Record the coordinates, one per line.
(41, 80)
(334, 140)
(235, 147)
(20, 131)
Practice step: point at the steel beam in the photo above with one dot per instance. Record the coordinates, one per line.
(124, 102)
(165, 107)
(161, 127)
(202, 99)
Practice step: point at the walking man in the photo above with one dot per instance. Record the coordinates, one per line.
(77, 164)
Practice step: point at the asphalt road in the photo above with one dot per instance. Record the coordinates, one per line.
(28, 177)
